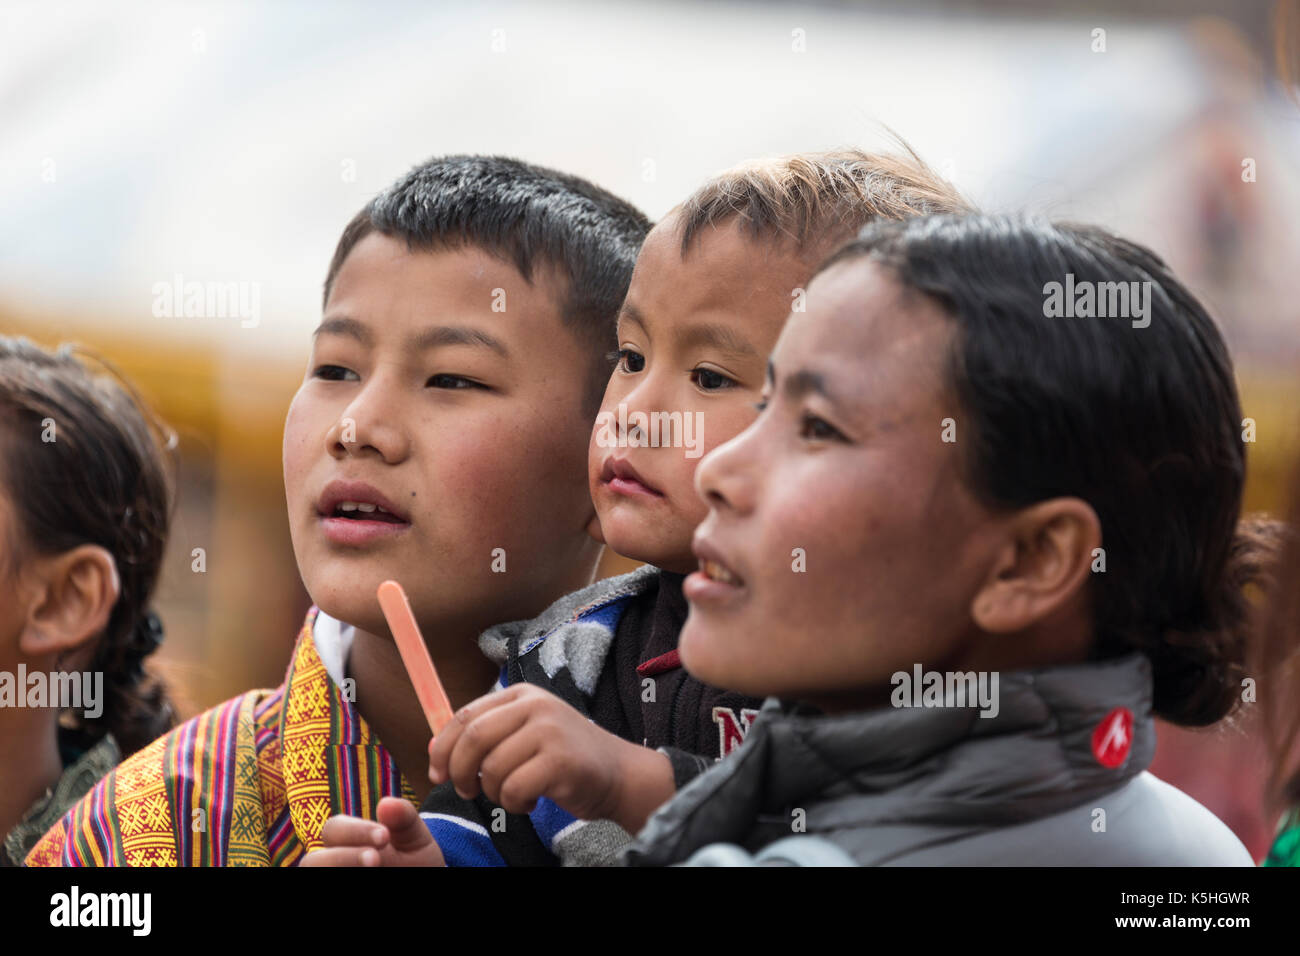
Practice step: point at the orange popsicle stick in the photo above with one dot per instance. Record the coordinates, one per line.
(415, 655)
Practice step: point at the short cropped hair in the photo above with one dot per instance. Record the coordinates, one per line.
(526, 215)
(818, 200)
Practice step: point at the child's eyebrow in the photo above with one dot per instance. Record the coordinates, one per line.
(800, 383)
(344, 326)
(804, 381)
(440, 335)
(630, 313)
(720, 337)
(429, 338)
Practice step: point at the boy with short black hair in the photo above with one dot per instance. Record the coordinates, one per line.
(440, 429)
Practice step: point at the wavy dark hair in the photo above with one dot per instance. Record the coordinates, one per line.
(106, 479)
(1143, 423)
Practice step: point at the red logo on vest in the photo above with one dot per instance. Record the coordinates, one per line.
(1113, 737)
(732, 729)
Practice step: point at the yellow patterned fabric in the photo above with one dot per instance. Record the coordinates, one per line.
(143, 815)
(248, 783)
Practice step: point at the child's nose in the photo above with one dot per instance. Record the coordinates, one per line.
(371, 424)
(647, 396)
(725, 477)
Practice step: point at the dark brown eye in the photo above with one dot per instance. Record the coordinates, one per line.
(711, 381)
(332, 373)
(631, 361)
(453, 382)
(818, 429)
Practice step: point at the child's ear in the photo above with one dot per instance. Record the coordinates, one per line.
(1043, 565)
(75, 592)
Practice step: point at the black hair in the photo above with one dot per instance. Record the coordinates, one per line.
(1140, 421)
(105, 479)
(527, 215)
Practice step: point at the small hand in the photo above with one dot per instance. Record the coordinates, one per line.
(523, 743)
(396, 837)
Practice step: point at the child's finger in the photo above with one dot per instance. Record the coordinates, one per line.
(442, 745)
(478, 739)
(342, 856)
(406, 831)
(507, 757)
(521, 788)
(344, 831)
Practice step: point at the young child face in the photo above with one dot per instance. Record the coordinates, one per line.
(694, 335)
(464, 423)
(847, 464)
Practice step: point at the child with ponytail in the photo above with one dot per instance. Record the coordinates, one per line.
(85, 505)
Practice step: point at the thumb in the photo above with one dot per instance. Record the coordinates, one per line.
(405, 828)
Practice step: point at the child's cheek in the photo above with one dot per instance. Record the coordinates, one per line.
(502, 481)
(711, 428)
(296, 450)
(810, 555)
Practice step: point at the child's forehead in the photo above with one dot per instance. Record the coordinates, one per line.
(719, 330)
(386, 283)
(725, 273)
(863, 301)
(857, 312)
(379, 258)
(730, 240)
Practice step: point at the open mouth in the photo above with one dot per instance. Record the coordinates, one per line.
(355, 513)
(718, 572)
(364, 511)
(714, 586)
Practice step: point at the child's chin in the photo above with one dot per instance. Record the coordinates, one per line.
(640, 537)
(351, 604)
(699, 651)
(630, 545)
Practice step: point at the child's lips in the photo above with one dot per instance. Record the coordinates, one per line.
(621, 478)
(356, 513)
(357, 531)
(630, 486)
(715, 582)
(350, 498)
